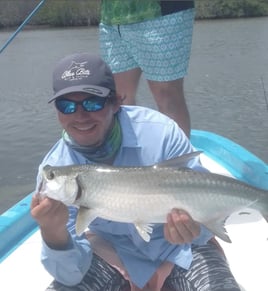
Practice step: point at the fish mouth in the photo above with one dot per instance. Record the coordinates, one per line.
(40, 186)
(79, 191)
(41, 189)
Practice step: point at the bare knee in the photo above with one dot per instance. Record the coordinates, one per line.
(168, 94)
(169, 97)
(127, 84)
(167, 90)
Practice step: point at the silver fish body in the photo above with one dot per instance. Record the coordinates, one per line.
(145, 195)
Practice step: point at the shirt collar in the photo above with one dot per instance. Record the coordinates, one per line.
(129, 136)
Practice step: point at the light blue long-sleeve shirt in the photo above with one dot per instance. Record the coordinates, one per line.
(149, 137)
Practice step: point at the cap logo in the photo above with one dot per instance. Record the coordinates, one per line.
(76, 71)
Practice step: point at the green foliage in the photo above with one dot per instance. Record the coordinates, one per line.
(70, 12)
(231, 8)
(52, 12)
(87, 12)
(12, 13)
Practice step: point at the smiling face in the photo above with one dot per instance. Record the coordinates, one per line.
(88, 128)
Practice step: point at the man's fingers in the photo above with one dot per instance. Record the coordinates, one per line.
(180, 227)
(184, 223)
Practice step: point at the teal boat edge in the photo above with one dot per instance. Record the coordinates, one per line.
(16, 224)
(241, 163)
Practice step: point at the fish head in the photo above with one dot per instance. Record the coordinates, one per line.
(59, 184)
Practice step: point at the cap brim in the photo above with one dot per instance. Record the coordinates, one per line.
(94, 90)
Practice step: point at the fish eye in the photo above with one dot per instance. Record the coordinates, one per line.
(51, 175)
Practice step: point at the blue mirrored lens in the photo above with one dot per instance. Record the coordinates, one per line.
(91, 104)
(66, 106)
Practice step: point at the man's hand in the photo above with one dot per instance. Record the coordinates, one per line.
(180, 227)
(52, 217)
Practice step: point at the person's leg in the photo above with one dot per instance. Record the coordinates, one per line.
(169, 97)
(161, 49)
(163, 53)
(126, 85)
(101, 276)
(209, 271)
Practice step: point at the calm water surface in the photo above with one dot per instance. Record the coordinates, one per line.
(226, 91)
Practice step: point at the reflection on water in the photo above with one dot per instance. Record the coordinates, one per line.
(224, 91)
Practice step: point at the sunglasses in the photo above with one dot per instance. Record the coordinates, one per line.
(91, 104)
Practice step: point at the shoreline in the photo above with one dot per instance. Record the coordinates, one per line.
(70, 13)
(48, 26)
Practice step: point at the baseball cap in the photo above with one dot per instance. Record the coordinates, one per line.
(82, 72)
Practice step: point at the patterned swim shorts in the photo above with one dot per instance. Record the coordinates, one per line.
(160, 47)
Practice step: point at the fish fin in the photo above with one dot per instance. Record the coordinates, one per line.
(144, 230)
(179, 162)
(219, 230)
(83, 219)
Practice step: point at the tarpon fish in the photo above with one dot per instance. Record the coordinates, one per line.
(145, 195)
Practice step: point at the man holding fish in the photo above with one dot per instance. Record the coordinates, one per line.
(112, 254)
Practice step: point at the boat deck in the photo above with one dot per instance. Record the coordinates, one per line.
(247, 255)
(248, 252)
(22, 270)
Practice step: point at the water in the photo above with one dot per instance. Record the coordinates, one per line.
(225, 90)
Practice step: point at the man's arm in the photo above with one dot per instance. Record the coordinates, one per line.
(65, 256)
